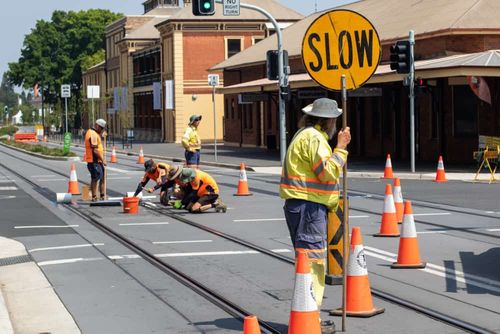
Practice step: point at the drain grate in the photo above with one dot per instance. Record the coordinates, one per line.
(7, 261)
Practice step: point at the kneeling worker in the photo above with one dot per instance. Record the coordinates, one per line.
(158, 172)
(200, 189)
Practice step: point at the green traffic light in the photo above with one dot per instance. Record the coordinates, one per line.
(207, 5)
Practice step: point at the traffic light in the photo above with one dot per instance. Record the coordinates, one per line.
(203, 7)
(401, 57)
(272, 68)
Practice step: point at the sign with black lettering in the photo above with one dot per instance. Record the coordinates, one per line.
(341, 42)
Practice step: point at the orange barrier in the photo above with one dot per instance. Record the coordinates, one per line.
(251, 325)
(388, 168)
(113, 156)
(408, 253)
(398, 200)
(25, 137)
(243, 182)
(131, 205)
(359, 296)
(389, 226)
(140, 160)
(73, 182)
(304, 316)
(440, 174)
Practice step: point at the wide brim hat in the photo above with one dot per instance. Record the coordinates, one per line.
(194, 118)
(187, 175)
(101, 123)
(174, 173)
(324, 108)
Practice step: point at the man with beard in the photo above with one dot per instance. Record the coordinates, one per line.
(309, 186)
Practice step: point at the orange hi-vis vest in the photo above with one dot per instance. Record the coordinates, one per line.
(159, 174)
(311, 170)
(200, 183)
(92, 140)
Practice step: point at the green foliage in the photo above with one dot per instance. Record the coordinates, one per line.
(93, 60)
(53, 152)
(7, 95)
(8, 130)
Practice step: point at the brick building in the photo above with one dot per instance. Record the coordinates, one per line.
(456, 44)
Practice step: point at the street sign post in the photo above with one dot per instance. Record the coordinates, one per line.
(341, 51)
(213, 80)
(231, 7)
(93, 92)
(66, 93)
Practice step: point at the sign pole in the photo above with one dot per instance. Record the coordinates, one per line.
(412, 100)
(346, 211)
(92, 115)
(215, 123)
(66, 113)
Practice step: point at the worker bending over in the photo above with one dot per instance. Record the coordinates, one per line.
(158, 172)
(200, 191)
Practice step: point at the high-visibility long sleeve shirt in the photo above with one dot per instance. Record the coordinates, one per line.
(311, 170)
(191, 140)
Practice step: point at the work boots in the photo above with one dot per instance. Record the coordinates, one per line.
(220, 207)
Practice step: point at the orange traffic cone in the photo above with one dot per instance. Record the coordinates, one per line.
(251, 325)
(359, 296)
(113, 156)
(389, 226)
(440, 174)
(73, 182)
(388, 168)
(398, 200)
(243, 183)
(408, 253)
(304, 316)
(141, 156)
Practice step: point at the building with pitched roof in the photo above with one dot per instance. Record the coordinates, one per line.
(456, 51)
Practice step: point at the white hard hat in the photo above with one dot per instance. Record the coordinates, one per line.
(101, 123)
(324, 108)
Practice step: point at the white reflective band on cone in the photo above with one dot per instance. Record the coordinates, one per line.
(408, 229)
(388, 163)
(357, 262)
(72, 176)
(303, 296)
(389, 206)
(243, 175)
(398, 196)
(440, 164)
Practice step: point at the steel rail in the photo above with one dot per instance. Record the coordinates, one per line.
(455, 322)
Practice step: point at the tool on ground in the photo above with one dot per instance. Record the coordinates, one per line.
(63, 198)
(398, 200)
(389, 225)
(140, 160)
(388, 168)
(440, 174)
(304, 316)
(408, 253)
(251, 325)
(243, 183)
(73, 182)
(113, 156)
(359, 301)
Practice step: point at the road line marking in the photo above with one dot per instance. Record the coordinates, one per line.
(181, 242)
(431, 232)
(258, 220)
(7, 197)
(45, 226)
(67, 261)
(8, 188)
(432, 214)
(460, 274)
(493, 230)
(63, 247)
(219, 253)
(50, 180)
(46, 175)
(359, 216)
(142, 224)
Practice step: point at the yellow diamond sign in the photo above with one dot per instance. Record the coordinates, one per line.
(341, 42)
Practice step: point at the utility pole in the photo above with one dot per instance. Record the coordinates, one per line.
(412, 99)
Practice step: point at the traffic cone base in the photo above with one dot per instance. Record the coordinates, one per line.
(395, 265)
(363, 314)
(251, 325)
(304, 320)
(389, 224)
(380, 235)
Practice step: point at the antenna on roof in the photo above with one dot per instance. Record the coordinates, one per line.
(315, 6)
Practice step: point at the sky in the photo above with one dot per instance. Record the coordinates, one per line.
(17, 18)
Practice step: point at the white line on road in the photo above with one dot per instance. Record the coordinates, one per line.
(7, 197)
(119, 178)
(50, 180)
(431, 232)
(493, 230)
(143, 224)
(359, 217)
(64, 247)
(258, 220)
(8, 188)
(433, 214)
(181, 242)
(66, 261)
(45, 226)
(44, 175)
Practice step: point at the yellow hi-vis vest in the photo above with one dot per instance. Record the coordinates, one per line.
(191, 140)
(311, 171)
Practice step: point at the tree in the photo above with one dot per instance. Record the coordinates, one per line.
(7, 95)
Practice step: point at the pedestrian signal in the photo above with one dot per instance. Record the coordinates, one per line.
(401, 57)
(203, 7)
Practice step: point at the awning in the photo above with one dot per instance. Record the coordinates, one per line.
(486, 64)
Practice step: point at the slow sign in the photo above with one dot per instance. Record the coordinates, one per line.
(341, 42)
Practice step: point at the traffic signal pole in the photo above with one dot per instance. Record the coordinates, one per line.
(283, 76)
(412, 100)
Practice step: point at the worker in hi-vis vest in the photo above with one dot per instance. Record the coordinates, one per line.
(309, 185)
(94, 156)
(192, 142)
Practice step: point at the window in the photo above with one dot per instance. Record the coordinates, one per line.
(256, 40)
(233, 46)
(464, 112)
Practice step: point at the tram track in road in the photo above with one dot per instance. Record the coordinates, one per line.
(427, 311)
